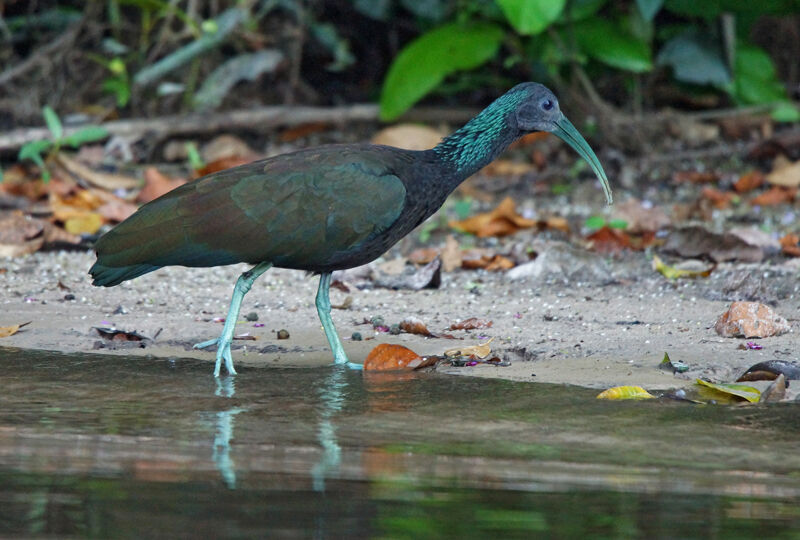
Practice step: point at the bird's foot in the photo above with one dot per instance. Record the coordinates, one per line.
(351, 365)
(223, 353)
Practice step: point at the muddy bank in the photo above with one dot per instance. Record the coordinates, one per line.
(599, 329)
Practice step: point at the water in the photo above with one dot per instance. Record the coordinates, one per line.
(114, 447)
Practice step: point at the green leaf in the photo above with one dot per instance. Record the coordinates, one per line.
(577, 10)
(86, 135)
(120, 87)
(595, 222)
(695, 59)
(618, 224)
(531, 16)
(739, 390)
(193, 155)
(649, 8)
(611, 45)
(785, 111)
(625, 392)
(52, 121)
(34, 149)
(242, 67)
(755, 79)
(694, 8)
(425, 62)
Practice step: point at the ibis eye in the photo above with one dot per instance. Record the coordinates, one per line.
(547, 105)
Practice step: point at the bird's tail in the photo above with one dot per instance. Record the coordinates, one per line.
(106, 276)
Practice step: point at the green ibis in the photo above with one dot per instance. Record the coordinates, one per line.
(320, 209)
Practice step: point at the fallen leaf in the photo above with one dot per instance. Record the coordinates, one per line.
(737, 390)
(107, 181)
(488, 262)
(87, 223)
(790, 245)
(346, 304)
(303, 130)
(482, 350)
(506, 167)
(413, 325)
(20, 234)
(749, 182)
(785, 174)
(7, 331)
(501, 221)
(157, 184)
(719, 199)
(774, 196)
(695, 242)
(408, 137)
(388, 357)
(426, 277)
(115, 334)
(451, 254)
(224, 146)
(222, 164)
(695, 177)
(557, 223)
(473, 323)
(625, 392)
(676, 366)
(673, 272)
(640, 217)
(423, 255)
(751, 320)
(608, 240)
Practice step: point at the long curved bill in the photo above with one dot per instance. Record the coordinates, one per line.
(565, 131)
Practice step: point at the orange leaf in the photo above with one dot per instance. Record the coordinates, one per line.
(303, 130)
(157, 184)
(501, 221)
(472, 323)
(774, 195)
(7, 331)
(720, 199)
(749, 182)
(412, 325)
(790, 245)
(695, 177)
(387, 357)
(221, 164)
(423, 255)
(608, 240)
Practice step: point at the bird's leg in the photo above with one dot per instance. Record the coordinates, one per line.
(324, 310)
(223, 342)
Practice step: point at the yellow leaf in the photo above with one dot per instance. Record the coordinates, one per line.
(670, 272)
(6, 331)
(625, 392)
(86, 223)
(481, 351)
(741, 391)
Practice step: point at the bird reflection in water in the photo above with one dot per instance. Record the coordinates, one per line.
(226, 387)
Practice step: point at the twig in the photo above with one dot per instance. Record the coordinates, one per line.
(41, 54)
(261, 119)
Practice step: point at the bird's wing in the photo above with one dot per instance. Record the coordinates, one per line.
(296, 210)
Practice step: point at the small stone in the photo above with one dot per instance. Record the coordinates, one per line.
(252, 316)
(121, 310)
(69, 296)
(377, 321)
(283, 334)
(395, 329)
(356, 336)
(751, 320)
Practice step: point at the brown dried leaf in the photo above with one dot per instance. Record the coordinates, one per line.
(107, 181)
(640, 218)
(696, 177)
(473, 323)
(408, 136)
(790, 245)
(720, 199)
(775, 195)
(423, 255)
(501, 221)
(785, 174)
(20, 234)
(222, 164)
(608, 240)
(225, 146)
(156, 184)
(413, 325)
(303, 130)
(451, 254)
(387, 357)
(749, 181)
(554, 222)
(482, 350)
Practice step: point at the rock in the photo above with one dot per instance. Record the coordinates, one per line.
(560, 260)
(751, 320)
(694, 242)
(775, 391)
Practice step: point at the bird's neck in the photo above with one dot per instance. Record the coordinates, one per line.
(481, 140)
